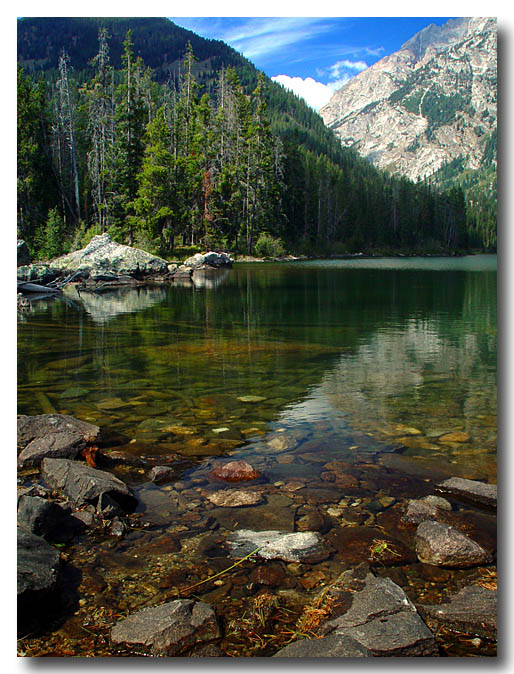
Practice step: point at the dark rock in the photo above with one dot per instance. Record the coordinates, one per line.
(234, 471)
(23, 253)
(87, 518)
(54, 435)
(472, 491)
(306, 546)
(442, 545)
(471, 611)
(107, 507)
(169, 629)
(333, 646)
(38, 568)
(161, 474)
(47, 519)
(83, 484)
(117, 527)
(269, 575)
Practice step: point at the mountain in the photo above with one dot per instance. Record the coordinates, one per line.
(144, 129)
(431, 103)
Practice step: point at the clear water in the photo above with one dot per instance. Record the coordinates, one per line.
(386, 367)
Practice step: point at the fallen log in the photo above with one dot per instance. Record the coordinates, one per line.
(26, 287)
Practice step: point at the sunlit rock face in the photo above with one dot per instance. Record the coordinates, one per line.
(429, 103)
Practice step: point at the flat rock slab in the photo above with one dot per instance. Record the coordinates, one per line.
(52, 435)
(473, 610)
(169, 629)
(472, 491)
(443, 545)
(305, 546)
(38, 568)
(235, 498)
(83, 484)
(333, 646)
(278, 513)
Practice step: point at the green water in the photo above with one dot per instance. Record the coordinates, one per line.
(349, 384)
(360, 345)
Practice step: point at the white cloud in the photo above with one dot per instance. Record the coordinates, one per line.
(342, 67)
(316, 94)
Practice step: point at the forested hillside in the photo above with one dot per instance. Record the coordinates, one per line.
(145, 130)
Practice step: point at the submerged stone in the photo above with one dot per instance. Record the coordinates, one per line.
(168, 630)
(234, 498)
(306, 546)
(235, 471)
(251, 399)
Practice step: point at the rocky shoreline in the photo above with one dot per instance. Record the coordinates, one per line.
(305, 600)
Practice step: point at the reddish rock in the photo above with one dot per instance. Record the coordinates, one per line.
(234, 471)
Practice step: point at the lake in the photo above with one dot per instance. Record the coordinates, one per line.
(350, 385)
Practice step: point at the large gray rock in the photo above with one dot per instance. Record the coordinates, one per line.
(169, 629)
(371, 615)
(472, 491)
(304, 546)
(54, 436)
(37, 272)
(471, 611)
(442, 545)
(46, 518)
(103, 255)
(210, 259)
(38, 568)
(23, 253)
(83, 484)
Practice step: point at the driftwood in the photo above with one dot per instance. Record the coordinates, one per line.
(27, 287)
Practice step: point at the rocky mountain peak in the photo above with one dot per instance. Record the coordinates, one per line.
(432, 101)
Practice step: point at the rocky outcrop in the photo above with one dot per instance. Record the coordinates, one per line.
(198, 267)
(54, 436)
(83, 484)
(104, 256)
(168, 630)
(431, 102)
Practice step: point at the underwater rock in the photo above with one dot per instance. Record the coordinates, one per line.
(471, 611)
(473, 491)
(234, 471)
(168, 630)
(234, 498)
(306, 546)
(442, 545)
(161, 474)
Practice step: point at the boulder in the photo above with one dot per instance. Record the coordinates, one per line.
(370, 613)
(37, 273)
(471, 611)
(34, 429)
(234, 471)
(23, 253)
(38, 568)
(210, 259)
(168, 630)
(304, 546)
(47, 519)
(83, 484)
(442, 545)
(103, 256)
(472, 491)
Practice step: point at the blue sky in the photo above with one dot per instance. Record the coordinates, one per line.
(313, 56)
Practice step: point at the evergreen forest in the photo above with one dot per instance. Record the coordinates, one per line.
(199, 150)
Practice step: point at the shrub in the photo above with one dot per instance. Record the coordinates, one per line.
(269, 246)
